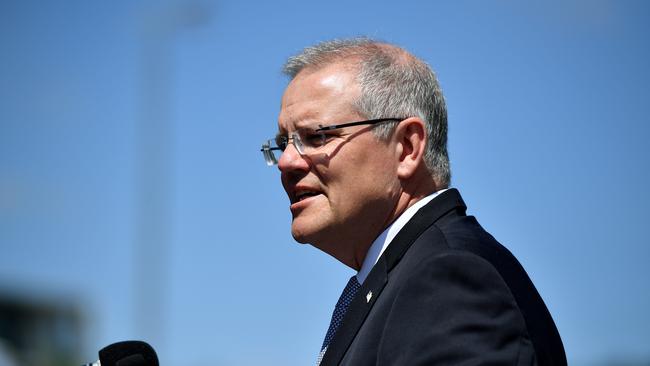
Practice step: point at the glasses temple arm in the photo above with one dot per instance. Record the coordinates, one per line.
(368, 122)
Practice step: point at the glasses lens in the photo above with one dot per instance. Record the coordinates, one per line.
(281, 142)
(307, 140)
(271, 153)
(296, 138)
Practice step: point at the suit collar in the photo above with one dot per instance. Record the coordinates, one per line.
(447, 201)
(378, 277)
(381, 243)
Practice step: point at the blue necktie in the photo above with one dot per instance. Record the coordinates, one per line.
(339, 311)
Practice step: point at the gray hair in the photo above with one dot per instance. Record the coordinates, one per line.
(393, 83)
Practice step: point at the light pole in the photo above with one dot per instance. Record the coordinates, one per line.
(154, 149)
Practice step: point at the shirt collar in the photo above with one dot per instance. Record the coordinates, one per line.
(383, 240)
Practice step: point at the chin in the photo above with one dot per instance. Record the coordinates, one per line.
(306, 232)
(300, 235)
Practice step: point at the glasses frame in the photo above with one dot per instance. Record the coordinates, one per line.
(267, 148)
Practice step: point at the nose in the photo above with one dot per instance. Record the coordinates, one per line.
(291, 160)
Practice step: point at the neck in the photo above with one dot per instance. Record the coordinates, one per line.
(410, 193)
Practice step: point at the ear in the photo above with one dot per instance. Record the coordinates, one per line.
(411, 138)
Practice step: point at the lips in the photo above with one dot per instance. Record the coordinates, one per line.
(300, 194)
(303, 194)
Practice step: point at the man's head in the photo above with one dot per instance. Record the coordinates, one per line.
(346, 185)
(391, 82)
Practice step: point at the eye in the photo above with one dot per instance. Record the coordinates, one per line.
(315, 139)
(318, 138)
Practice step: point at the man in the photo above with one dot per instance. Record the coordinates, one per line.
(362, 150)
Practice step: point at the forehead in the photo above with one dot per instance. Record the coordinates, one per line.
(326, 95)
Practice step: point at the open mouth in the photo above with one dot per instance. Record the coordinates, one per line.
(304, 194)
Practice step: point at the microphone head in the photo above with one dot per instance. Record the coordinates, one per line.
(128, 353)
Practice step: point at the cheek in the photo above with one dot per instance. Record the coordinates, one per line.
(359, 173)
(375, 173)
(364, 182)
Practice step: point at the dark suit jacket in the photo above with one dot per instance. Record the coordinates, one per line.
(445, 292)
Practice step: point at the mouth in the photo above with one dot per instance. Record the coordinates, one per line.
(303, 194)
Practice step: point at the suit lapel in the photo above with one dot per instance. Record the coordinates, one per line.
(356, 315)
(425, 217)
(378, 276)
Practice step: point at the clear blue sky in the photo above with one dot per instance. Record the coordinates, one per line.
(549, 128)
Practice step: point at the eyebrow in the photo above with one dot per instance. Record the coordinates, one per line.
(307, 123)
(311, 124)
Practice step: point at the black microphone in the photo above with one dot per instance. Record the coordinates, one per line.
(126, 353)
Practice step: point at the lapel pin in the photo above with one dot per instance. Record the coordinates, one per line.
(369, 296)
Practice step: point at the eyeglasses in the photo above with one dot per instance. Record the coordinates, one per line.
(308, 140)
